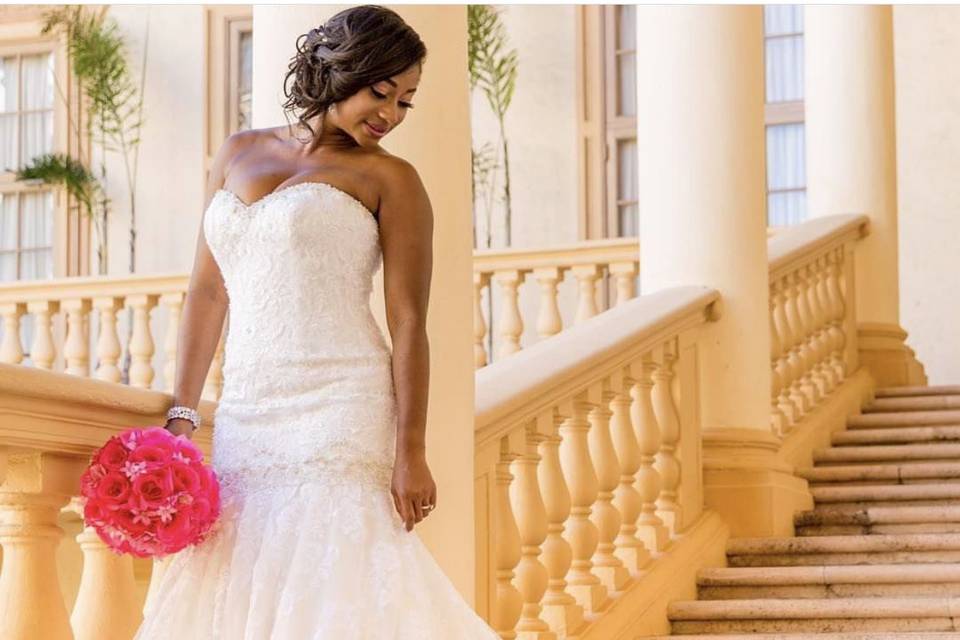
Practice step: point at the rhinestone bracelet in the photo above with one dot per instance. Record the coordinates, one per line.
(184, 412)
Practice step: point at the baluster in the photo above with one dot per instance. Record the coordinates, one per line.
(818, 337)
(11, 351)
(511, 322)
(141, 340)
(667, 463)
(626, 499)
(549, 321)
(531, 517)
(35, 489)
(480, 280)
(826, 308)
(779, 422)
(605, 517)
(106, 599)
(807, 347)
(838, 313)
(625, 274)
(43, 351)
(76, 348)
(581, 478)
(108, 341)
(800, 385)
(507, 541)
(587, 276)
(650, 527)
(174, 304)
(790, 400)
(560, 609)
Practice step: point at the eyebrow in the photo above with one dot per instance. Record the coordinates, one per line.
(394, 85)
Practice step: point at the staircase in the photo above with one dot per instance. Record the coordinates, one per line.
(877, 557)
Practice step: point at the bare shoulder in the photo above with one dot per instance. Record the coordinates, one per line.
(233, 147)
(401, 188)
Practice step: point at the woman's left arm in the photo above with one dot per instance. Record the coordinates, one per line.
(406, 239)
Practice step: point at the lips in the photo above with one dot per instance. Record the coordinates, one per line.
(374, 130)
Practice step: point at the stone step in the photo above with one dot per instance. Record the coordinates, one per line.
(844, 550)
(829, 582)
(945, 452)
(814, 614)
(933, 390)
(900, 435)
(903, 419)
(877, 515)
(891, 472)
(913, 403)
(876, 529)
(888, 493)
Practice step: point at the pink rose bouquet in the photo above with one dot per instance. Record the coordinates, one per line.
(147, 492)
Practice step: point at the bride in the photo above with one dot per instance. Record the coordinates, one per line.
(319, 443)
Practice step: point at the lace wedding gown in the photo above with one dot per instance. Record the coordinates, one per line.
(309, 545)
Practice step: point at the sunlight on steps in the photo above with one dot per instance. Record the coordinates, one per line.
(879, 554)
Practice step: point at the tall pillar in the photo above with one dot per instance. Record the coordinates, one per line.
(852, 165)
(432, 137)
(703, 222)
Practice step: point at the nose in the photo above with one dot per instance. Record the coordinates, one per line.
(390, 113)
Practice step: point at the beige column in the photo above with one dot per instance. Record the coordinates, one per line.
(851, 164)
(703, 222)
(432, 138)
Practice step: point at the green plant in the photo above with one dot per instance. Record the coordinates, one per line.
(115, 103)
(62, 170)
(493, 69)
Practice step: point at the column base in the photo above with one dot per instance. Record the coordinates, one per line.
(745, 481)
(883, 350)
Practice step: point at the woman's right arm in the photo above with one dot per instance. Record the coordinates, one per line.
(204, 308)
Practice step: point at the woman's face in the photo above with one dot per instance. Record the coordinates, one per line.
(369, 114)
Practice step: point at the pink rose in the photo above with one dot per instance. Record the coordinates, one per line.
(154, 455)
(132, 522)
(113, 488)
(153, 487)
(185, 478)
(113, 455)
(176, 530)
(201, 510)
(93, 512)
(156, 436)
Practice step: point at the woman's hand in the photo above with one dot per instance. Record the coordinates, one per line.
(413, 489)
(180, 426)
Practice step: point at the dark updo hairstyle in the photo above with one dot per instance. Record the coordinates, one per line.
(354, 49)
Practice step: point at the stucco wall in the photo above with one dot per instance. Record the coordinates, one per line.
(170, 164)
(540, 127)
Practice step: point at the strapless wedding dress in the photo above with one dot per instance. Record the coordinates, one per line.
(309, 545)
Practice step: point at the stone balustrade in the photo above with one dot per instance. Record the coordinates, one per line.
(604, 269)
(813, 325)
(64, 339)
(50, 423)
(587, 463)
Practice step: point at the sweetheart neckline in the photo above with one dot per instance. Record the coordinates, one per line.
(305, 183)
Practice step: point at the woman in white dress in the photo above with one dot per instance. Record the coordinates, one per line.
(319, 439)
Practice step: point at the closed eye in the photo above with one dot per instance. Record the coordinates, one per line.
(405, 105)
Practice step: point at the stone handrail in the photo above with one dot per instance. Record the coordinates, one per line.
(609, 267)
(583, 444)
(50, 423)
(813, 327)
